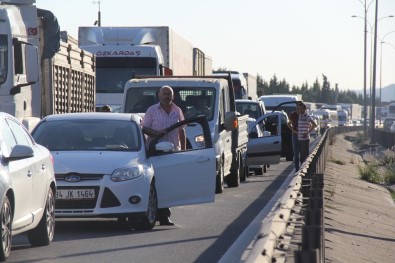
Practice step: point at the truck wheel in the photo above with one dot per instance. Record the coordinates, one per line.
(6, 229)
(219, 185)
(44, 232)
(243, 174)
(233, 179)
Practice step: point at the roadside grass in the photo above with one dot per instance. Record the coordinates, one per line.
(378, 168)
(340, 162)
(392, 194)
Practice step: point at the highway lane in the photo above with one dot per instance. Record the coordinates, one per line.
(203, 233)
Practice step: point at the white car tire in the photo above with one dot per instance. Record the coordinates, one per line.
(44, 232)
(149, 220)
(6, 229)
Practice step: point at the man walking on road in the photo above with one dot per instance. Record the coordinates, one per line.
(305, 125)
(157, 118)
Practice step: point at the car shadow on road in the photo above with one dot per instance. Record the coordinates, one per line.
(213, 253)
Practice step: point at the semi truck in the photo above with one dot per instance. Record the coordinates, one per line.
(39, 73)
(229, 132)
(354, 110)
(125, 52)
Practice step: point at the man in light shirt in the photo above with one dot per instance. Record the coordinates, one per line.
(157, 118)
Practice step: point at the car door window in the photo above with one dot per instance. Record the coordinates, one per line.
(8, 138)
(271, 125)
(198, 126)
(20, 134)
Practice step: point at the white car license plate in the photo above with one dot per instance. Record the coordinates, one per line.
(73, 194)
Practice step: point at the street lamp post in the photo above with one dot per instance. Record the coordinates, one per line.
(373, 116)
(366, 22)
(381, 66)
(366, 8)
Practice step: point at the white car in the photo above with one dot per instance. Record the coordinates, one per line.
(27, 187)
(103, 169)
(254, 108)
(264, 147)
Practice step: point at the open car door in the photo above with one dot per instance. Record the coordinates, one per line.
(185, 177)
(265, 149)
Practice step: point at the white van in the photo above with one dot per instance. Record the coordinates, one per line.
(272, 101)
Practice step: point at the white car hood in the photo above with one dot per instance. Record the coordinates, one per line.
(93, 162)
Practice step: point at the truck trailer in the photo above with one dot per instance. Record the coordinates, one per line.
(251, 86)
(40, 74)
(125, 52)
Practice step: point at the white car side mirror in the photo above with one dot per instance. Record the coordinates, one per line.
(164, 146)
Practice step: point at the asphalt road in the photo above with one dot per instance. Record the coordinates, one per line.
(203, 233)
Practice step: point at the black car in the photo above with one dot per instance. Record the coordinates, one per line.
(387, 123)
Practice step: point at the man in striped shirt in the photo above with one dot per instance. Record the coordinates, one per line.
(157, 118)
(305, 125)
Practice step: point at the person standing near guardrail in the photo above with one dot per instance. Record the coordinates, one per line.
(293, 125)
(305, 125)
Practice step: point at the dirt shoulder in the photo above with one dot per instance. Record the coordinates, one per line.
(359, 216)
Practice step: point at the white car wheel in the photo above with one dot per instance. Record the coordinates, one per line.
(149, 220)
(44, 232)
(6, 227)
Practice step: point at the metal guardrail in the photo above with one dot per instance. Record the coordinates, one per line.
(294, 228)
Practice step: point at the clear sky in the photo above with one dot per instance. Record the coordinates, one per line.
(296, 40)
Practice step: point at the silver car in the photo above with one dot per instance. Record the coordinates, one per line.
(27, 187)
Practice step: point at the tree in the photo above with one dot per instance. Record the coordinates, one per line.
(261, 86)
(326, 92)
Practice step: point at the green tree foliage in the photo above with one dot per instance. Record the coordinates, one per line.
(317, 92)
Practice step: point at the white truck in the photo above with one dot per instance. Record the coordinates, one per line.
(251, 86)
(40, 74)
(229, 132)
(124, 52)
(342, 118)
(239, 82)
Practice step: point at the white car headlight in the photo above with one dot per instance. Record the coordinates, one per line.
(127, 173)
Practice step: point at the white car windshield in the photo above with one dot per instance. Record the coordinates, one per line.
(88, 135)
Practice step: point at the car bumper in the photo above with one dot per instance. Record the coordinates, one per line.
(110, 198)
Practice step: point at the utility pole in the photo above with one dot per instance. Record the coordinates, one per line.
(373, 111)
(98, 21)
(365, 111)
